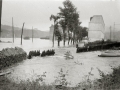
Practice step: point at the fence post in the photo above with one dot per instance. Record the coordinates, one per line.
(22, 33)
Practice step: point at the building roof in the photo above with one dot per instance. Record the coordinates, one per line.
(97, 19)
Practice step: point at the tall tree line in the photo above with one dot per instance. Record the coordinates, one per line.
(68, 19)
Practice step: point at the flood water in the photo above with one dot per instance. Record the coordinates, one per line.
(27, 45)
(77, 68)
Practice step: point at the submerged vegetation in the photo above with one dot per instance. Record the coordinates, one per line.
(33, 53)
(68, 55)
(48, 53)
(43, 54)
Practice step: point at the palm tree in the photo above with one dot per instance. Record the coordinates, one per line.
(55, 18)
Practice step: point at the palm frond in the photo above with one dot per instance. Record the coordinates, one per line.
(51, 17)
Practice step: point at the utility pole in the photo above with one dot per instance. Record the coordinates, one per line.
(32, 34)
(0, 16)
(22, 33)
(12, 29)
(114, 32)
(110, 33)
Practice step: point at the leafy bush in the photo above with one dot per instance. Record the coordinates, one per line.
(68, 55)
(33, 53)
(47, 53)
(9, 56)
(108, 81)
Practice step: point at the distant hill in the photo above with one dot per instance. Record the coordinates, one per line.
(7, 32)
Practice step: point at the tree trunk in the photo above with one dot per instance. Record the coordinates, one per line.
(68, 40)
(64, 37)
(73, 37)
(79, 39)
(53, 34)
(68, 37)
(81, 35)
(53, 39)
(58, 43)
(64, 42)
(71, 40)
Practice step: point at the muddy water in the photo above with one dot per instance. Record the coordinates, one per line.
(77, 68)
(27, 45)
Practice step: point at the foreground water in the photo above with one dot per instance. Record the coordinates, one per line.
(77, 68)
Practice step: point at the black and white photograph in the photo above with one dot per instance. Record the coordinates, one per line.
(59, 44)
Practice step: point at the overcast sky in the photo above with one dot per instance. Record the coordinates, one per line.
(36, 13)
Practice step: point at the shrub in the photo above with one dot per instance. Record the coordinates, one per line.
(9, 56)
(33, 53)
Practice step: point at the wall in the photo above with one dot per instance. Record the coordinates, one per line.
(96, 28)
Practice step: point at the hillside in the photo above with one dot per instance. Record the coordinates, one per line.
(7, 32)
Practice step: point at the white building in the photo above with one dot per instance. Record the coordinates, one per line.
(96, 28)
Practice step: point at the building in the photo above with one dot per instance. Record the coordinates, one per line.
(96, 28)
